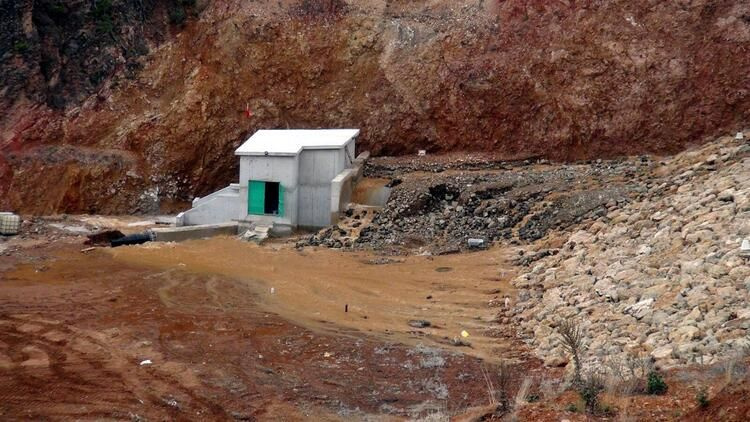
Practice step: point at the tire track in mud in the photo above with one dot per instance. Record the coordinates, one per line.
(43, 360)
(53, 369)
(223, 296)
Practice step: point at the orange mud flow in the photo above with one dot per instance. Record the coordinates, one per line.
(314, 288)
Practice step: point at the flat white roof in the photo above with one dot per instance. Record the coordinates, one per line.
(292, 141)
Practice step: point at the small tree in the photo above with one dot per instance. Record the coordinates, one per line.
(573, 342)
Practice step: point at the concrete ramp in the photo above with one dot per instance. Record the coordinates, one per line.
(179, 234)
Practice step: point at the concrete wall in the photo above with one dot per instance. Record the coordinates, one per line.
(220, 206)
(316, 170)
(282, 169)
(179, 234)
(342, 187)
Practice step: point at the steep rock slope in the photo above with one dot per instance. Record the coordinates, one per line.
(518, 78)
(661, 278)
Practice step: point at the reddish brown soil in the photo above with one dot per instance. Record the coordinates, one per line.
(730, 404)
(518, 78)
(74, 328)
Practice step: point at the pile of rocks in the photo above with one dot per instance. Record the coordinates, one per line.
(660, 277)
(440, 212)
(331, 237)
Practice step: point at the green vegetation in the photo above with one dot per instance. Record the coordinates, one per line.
(180, 11)
(102, 13)
(701, 397)
(21, 47)
(573, 342)
(56, 9)
(177, 15)
(589, 392)
(655, 384)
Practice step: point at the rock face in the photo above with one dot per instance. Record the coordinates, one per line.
(520, 78)
(659, 277)
(58, 53)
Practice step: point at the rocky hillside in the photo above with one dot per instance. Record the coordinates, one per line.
(129, 105)
(661, 277)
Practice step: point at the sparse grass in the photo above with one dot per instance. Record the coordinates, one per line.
(436, 416)
(504, 378)
(520, 399)
(550, 389)
(624, 413)
(606, 409)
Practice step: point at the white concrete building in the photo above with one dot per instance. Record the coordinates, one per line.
(296, 178)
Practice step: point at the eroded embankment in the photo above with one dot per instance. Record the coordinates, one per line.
(515, 78)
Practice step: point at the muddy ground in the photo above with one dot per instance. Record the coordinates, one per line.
(193, 331)
(369, 328)
(77, 326)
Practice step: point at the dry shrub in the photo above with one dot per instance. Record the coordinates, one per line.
(520, 399)
(573, 341)
(638, 369)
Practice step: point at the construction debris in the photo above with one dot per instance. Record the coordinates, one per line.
(133, 239)
(10, 223)
(103, 238)
(419, 323)
(475, 243)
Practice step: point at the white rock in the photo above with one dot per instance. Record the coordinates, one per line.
(640, 309)
(663, 352)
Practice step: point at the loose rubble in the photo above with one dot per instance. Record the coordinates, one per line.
(439, 213)
(661, 277)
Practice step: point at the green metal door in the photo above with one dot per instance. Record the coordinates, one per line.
(281, 199)
(256, 194)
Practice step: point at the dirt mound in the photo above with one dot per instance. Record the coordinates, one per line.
(521, 79)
